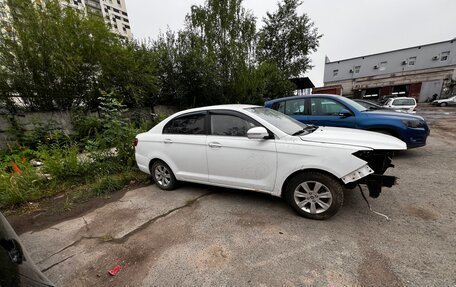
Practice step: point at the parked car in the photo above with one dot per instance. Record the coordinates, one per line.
(401, 104)
(255, 148)
(445, 102)
(337, 111)
(16, 266)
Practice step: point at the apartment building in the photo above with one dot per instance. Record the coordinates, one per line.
(421, 72)
(114, 13)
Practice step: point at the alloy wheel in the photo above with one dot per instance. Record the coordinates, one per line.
(162, 175)
(313, 197)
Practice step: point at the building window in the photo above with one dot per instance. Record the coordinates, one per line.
(444, 56)
(357, 69)
(335, 73)
(383, 65)
(412, 61)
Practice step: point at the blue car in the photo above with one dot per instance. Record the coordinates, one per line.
(337, 111)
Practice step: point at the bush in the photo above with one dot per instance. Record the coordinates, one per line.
(17, 188)
(63, 164)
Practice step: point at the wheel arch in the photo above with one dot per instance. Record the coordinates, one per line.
(154, 160)
(287, 180)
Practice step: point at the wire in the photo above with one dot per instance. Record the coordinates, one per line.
(368, 204)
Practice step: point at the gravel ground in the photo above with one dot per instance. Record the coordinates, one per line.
(206, 236)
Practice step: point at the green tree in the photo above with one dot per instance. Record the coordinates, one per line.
(212, 60)
(287, 39)
(57, 58)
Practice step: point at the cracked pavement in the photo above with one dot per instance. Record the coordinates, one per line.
(205, 236)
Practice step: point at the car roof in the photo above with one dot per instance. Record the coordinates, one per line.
(236, 107)
(306, 96)
(403, 98)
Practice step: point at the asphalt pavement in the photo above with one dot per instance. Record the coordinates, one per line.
(207, 236)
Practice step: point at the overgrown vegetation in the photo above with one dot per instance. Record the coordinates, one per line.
(97, 159)
(58, 59)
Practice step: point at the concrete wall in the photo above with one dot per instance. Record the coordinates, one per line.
(54, 120)
(428, 89)
(395, 62)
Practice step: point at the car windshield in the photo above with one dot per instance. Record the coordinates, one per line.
(355, 105)
(283, 122)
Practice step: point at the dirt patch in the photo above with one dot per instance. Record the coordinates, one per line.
(137, 254)
(375, 269)
(212, 257)
(51, 211)
(420, 212)
(247, 219)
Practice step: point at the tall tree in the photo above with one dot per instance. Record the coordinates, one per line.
(57, 58)
(287, 39)
(212, 61)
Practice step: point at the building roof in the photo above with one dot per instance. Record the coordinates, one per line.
(302, 83)
(401, 49)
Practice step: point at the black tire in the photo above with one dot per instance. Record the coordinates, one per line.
(444, 104)
(318, 198)
(163, 175)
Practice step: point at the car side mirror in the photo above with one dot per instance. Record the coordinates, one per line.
(345, 113)
(257, 133)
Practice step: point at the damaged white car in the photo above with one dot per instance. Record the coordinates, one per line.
(255, 148)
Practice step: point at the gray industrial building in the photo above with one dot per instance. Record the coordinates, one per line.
(422, 72)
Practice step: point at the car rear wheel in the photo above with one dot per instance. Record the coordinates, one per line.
(315, 195)
(163, 175)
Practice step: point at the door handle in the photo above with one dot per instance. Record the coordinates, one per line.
(215, 145)
(168, 141)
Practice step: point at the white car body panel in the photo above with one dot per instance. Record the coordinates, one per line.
(242, 162)
(449, 101)
(260, 165)
(354, 137)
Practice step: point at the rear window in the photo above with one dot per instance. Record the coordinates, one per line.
(404, 102)
(186, 125)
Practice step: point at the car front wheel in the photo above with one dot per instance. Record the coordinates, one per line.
(443, 104)
(163, 175)
(315, 195)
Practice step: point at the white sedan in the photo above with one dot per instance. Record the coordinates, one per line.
(255, 148)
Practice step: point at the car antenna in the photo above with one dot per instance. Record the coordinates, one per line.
(368, 204)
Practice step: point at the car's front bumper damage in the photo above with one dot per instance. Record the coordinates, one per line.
(372, 174)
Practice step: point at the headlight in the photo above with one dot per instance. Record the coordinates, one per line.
(412, 123)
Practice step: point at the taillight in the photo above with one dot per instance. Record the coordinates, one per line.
(135, 142)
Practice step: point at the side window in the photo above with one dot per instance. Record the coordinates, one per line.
(186, 125)
(229, 125)
(325, 107)
(294, 107)
(279, 106)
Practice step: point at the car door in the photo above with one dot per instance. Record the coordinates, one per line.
(325, 112)
(233, 159)
(184, 144)
(294, 108)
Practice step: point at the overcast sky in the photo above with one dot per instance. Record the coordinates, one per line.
(351, 28)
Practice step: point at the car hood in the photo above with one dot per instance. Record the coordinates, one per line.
(391, 114)
(353, 137)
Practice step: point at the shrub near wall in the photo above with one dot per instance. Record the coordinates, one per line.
(97, 158)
